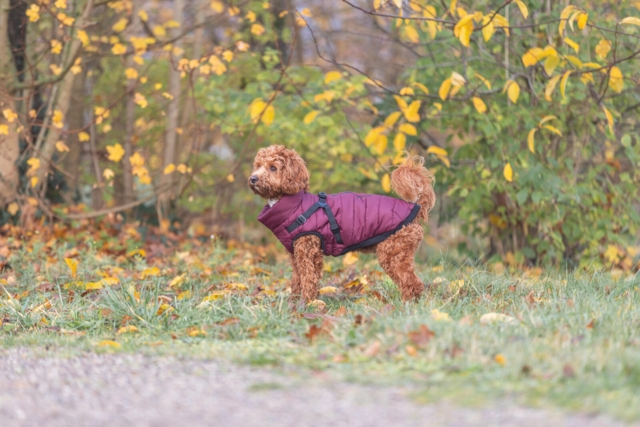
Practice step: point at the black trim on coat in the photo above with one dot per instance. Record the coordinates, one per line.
(306, 233)
(381, 237)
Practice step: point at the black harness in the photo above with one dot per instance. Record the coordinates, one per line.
(322, 203)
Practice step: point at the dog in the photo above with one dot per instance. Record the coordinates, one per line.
(311, 226)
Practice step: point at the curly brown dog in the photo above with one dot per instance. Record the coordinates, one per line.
(311, 226)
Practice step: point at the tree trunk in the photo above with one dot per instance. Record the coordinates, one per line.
(171, 134)
(65, 87)
(130, 118)
(71, 162)
(9, 143)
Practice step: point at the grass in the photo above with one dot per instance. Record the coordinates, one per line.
(575, 341)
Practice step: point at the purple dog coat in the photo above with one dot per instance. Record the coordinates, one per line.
(344, 221)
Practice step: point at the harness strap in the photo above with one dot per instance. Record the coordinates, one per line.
(320, 204)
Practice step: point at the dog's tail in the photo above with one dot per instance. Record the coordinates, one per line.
(414, 183)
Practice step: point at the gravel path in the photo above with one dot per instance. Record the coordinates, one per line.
(134, 390)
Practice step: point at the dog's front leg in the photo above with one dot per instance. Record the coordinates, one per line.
(307, 258)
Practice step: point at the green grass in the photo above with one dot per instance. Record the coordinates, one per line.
(576, 344)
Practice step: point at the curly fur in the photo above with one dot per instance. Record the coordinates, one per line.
(411, 181)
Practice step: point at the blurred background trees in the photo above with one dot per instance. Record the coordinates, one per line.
(150, 110)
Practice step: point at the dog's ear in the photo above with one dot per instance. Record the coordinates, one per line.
(295, 176)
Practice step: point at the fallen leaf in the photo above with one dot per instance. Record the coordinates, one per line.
(422, 336)
(492, 318)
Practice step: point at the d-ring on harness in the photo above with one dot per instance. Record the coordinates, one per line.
(321, 203)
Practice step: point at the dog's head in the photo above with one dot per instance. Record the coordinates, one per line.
(277, 172)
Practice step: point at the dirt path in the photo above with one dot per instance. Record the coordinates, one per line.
(133, 390)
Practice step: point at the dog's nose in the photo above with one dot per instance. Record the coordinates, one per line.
(253, 179)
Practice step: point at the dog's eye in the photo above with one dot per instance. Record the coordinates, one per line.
(273, 169)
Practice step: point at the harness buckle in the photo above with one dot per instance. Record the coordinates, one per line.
(301, 219)
(334, 229)
(322, 195)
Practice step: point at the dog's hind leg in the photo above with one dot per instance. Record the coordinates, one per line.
(307, 257)
(296, 289)
(396, 258)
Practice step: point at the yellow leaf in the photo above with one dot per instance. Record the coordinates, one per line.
(463, 29)
(33, 13)
(198, 333)
(83, 137)
(257, 29)
(486, 82)
(4, 129)
(127, 329)
(399, 141)
(62, 147)
(445, 87)
(616, 80)
(500, 359)
(119, 26)
(169, 169)
(478, 103)
(445, 160)
(216, 295)
(372, 136)
(56, 47)
(545, 119)
(513, 92)
(575, 46)
(150, 272)
(574, 60)
(491, 318)
(184, 295)
(457, 80)
(9, 114)
(73, 266)
(386, 183)
(131, 73)
(269, 115)
(609, 117)
(523, 8)
(603, 48)
(116, 152)
(381, 144)
(139, 99)
(13, 208)
(406, 91)
(564, 16)
(550, 87)
(144, 17)
(178, 280)
(563, 83)
(437, 151)
(550, 64)
(402, 104)
(108, 343)
(108, 174)
(351, 257)
(440, 316)
(310, 117)
(34, 181)
(58, 119)
(411, 34)
(332, 76)
(408, 128)
(119, 49)
(553, 129)
(412, 112)
(488, 28)
(421, 86)
(582, 20)
(392, 119)
(530, 140)
(327, 290)
(508, 172)
(631, 20)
